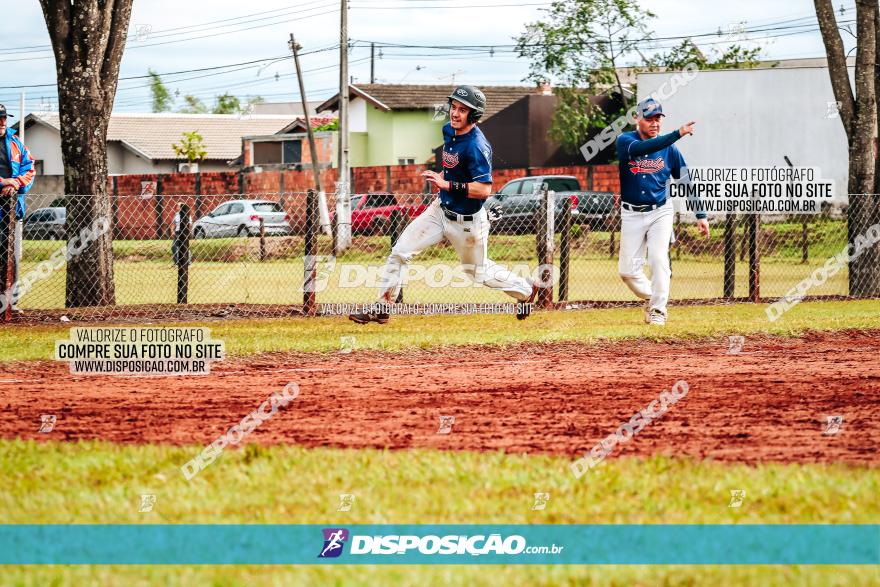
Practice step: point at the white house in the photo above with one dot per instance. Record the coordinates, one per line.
(142, 143)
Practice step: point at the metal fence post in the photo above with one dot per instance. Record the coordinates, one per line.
(612, 224)
(805, 239)
(754, 224)
(8, 211)
(181, 242)
(159, 204)
(395, 229)
(544, 234)
(565, 222)
(729, 255)
(262, 240)
(310, 266)
(677, 230)
(198, 195)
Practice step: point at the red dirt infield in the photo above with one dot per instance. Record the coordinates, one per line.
(770, 402)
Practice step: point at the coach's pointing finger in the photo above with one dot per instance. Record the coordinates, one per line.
(687, 129)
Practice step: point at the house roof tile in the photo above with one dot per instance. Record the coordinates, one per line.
(153, 134)
(424, 97)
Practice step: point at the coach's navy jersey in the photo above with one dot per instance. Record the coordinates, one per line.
(467, 158)
(643, 177)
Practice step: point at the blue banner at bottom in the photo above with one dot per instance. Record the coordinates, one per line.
(457, 544)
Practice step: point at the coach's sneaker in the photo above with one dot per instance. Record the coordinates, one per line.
(658, 318)
(524, 308)
(378, 315)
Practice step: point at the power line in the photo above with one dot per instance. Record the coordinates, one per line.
(251, 83)
(200, 69)
(357, 7)
(503, 46)
(159, 34)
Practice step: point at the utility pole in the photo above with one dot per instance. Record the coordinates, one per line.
(372, 63)
(343, 191)
(295, 47)
(21, 120)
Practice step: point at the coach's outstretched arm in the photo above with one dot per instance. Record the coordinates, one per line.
(636, 147)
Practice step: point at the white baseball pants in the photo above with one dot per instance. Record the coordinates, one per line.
(652, 231)
(470, 240)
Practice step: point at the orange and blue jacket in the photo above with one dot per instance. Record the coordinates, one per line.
(22, 165)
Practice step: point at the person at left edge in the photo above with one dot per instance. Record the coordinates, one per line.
(16, 178)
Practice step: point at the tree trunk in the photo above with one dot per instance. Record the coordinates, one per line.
(858, 113)
(88, 39)
(864, 271)
(877, 116)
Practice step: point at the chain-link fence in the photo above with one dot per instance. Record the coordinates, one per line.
(282, 253)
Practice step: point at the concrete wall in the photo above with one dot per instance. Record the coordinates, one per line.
(379, 138)
(416, 135)
(45, 145)
(357, 115)
(48, 184)
(754, 117)
(395, 135)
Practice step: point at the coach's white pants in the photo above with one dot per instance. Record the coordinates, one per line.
(652, 231)
(470, 240)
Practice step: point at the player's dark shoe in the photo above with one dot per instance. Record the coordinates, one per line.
(524, 308)
(377, 315)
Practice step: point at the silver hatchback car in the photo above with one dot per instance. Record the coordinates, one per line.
(45, 223)
(242, 218)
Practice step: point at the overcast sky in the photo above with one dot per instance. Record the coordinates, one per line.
(175, 35)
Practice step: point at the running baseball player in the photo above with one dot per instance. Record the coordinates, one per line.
(647, 160)
(457, 214)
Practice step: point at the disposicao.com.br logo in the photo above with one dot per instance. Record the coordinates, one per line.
(451, 544)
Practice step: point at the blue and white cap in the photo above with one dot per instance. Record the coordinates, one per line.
(649, 108)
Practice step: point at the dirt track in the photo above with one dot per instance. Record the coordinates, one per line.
(769, 403)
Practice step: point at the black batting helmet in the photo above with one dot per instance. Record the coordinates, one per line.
(472, 98)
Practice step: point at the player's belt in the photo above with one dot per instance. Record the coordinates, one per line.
(457, 217)
(641, 207)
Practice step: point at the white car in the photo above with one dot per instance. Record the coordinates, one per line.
(242, 218)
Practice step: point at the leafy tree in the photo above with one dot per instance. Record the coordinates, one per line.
(193, 105)
(191, 146)
(162, 99)
(858, 112)
(677, 58)
(227, 104)
(88, 40)
(328, 126)
(581, 44)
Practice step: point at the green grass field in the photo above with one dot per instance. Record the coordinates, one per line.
(228, 270)
(101, 483)
(94, 482)
(247, 337)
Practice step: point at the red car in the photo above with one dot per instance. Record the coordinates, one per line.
(371, 213)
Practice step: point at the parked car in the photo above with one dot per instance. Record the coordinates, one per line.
(520, 198)
(242, 218)
(371, 213)
(45, 224)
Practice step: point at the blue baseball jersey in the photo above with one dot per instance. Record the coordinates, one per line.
(466, 158)
(644, 176)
